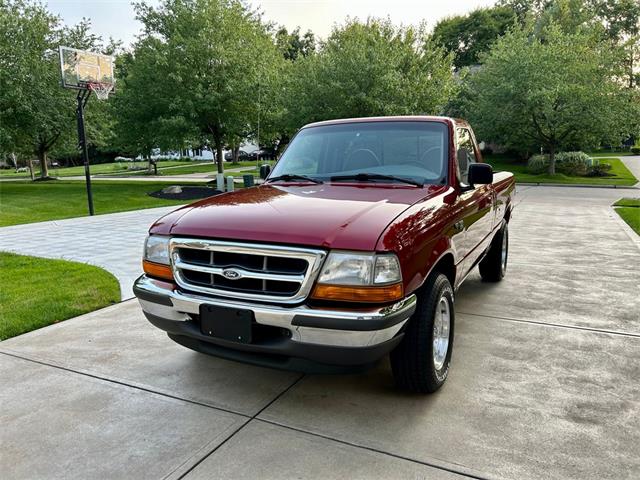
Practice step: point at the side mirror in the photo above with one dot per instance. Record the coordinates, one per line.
(265, 170)
(480, 174)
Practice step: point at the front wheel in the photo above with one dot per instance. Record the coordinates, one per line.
(421, 362)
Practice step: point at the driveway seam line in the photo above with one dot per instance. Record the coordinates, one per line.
(186, 462)
(449, 469)
(118, 382)
(276, 398)
(557, 325)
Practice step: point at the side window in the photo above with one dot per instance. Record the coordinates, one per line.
(466, 154)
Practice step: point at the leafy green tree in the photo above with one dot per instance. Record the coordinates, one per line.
(557, 93)
(210, 58)
(36, 113)
(293, 45)
(468, 36)
(141, 104)
(367, 69)
(524, 9)
(621, 20)
(571, 16)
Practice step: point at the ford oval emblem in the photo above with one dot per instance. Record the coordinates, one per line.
(231, 274)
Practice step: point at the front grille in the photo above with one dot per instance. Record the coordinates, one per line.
(247, 271)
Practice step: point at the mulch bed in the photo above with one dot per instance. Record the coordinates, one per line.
(188, 193)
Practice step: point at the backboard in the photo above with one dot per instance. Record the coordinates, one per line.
(81, 69)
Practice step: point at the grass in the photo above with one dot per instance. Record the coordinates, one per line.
(629, 210)
(619, 174)
(97, 169)
(26, 202)
(36, 292)
(627, 202)
(613, 153)
(211, 168)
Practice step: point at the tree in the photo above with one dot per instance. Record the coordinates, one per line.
(36, 113)
(210, 58)
(468, 36)
(557, 93)
(621, 19)
(367, 69)
(524, 9)
(141, 104)
(292, 45)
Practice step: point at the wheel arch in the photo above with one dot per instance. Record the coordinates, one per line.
(446, 265)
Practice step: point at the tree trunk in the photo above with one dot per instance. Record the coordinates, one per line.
(236, 152)
(552, 161)
(30, 163)
(219, 158)
(44, 168)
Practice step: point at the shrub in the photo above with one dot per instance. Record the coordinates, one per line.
(538, 164)
(635, 150)
(573, 163)
(599, 169)
(487, 151)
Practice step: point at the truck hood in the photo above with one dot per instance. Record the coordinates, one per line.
(344, 216)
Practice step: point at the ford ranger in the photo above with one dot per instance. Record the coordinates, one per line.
(351, 249)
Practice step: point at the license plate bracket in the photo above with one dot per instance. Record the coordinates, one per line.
(226, 323)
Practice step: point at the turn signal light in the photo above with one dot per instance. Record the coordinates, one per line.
(346, 293)
(157, 270)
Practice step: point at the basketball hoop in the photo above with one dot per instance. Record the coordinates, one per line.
(102, 90)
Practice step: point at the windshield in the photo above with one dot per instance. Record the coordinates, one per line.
(410, 150)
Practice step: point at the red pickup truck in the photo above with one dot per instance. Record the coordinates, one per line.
(350, 250)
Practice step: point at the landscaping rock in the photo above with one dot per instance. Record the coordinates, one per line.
(172, 189)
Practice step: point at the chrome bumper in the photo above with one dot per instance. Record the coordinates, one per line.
(341, 328)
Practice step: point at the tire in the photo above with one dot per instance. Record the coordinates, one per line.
(414, 365)
(493, 266)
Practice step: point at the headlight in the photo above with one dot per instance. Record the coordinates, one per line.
(360, 277)
(156, 249)
(345, 268)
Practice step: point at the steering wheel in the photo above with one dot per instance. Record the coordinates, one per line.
(423, 157)
(366, 159)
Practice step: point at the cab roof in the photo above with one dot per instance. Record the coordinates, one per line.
(395, 118)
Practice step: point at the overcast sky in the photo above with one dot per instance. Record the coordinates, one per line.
(115, 18)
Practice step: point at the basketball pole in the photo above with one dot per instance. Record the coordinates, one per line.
(83, 98)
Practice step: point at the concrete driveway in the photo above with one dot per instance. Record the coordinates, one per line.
(545, 382)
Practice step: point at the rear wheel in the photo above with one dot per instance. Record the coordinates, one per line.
(421, 362)
(493, 266)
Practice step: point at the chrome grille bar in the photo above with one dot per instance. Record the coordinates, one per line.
(255, 277)
(244, 273)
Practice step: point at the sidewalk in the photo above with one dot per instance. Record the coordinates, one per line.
(633, 163)
(112, 241)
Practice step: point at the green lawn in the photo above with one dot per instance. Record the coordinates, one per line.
(210, 168)
(620, 175)
(99, 169)
(629, 210)
(36, 292)
(618, 153)
(26, 202)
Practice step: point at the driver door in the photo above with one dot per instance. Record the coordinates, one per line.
(475, 204)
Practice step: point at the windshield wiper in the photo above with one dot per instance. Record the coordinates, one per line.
(365, 177)
(293, 176)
